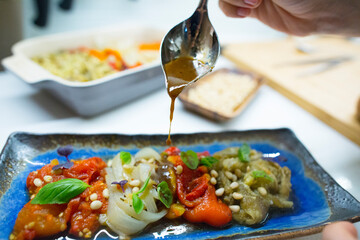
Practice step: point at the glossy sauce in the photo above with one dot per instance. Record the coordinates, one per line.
(179, 73)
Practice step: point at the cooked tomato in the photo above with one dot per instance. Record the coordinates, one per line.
(45, 220)
(172, 151)
(198, 195)
(203, 154)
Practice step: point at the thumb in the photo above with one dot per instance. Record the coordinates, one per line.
(340, 231)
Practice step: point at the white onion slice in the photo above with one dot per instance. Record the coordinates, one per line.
(147, 153)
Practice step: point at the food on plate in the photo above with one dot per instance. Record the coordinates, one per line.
(131, 192)
(195, 191)
(222, 92)
(49, 212)
(251, 185)
(85, 64)
(134, 200)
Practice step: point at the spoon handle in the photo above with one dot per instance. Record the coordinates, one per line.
(202, 7)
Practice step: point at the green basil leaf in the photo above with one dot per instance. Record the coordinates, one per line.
(125, 157)
(262, 174)
(145, 185)
(59, 192)
(165, 195)
(190, 159)
(244, 153)
(138, 204)
(208, 161)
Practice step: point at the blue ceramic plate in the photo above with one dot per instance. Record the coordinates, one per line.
(318, 199)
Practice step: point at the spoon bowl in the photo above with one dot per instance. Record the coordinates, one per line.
(195, 37)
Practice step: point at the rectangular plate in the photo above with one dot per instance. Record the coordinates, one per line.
(318, 199)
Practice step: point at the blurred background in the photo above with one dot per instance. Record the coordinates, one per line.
(20, 19)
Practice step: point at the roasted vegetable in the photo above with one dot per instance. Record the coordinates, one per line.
(255, 186)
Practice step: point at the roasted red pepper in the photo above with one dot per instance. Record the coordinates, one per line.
(198, 195)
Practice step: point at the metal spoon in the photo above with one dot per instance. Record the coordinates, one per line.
(195, 37)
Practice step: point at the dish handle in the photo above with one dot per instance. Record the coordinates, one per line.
(24, 69)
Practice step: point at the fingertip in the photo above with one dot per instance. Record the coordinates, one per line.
(243, 12)
(233, 11)
(340, 230)
(251, 3)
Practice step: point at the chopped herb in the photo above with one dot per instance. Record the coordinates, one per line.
(60, 192)
(66, 165)
(244, 153)
(208, 161)
(121, 183)
(138, 204)
(65, 152)
(262, 174)
(145, 185)
(165, 195)
(125, 157)
(190, 159)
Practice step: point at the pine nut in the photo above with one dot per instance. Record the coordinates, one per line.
(38, 182)
(135, 189)
(48, 178)
(248, 168)
(234, 177)
(238, 172)
(214, 173)
(234, 208)
(213, 181)
(262, 191)
(219, 192)
(237, 196)
(228, 175)
(93, 197)
(234, 185)
(95, 205)
(135, 183)
(106, 193)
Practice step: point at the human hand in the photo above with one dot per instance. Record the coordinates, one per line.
(339, 231)
(300, 17)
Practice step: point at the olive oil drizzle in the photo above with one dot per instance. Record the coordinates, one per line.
(180, 73)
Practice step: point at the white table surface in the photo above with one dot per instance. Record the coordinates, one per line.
(23, 108)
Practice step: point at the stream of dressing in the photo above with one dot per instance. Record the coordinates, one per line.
(179, 73)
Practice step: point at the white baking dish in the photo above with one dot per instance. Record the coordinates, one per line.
(93, 97)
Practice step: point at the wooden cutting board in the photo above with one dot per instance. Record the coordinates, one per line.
(330, 95)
